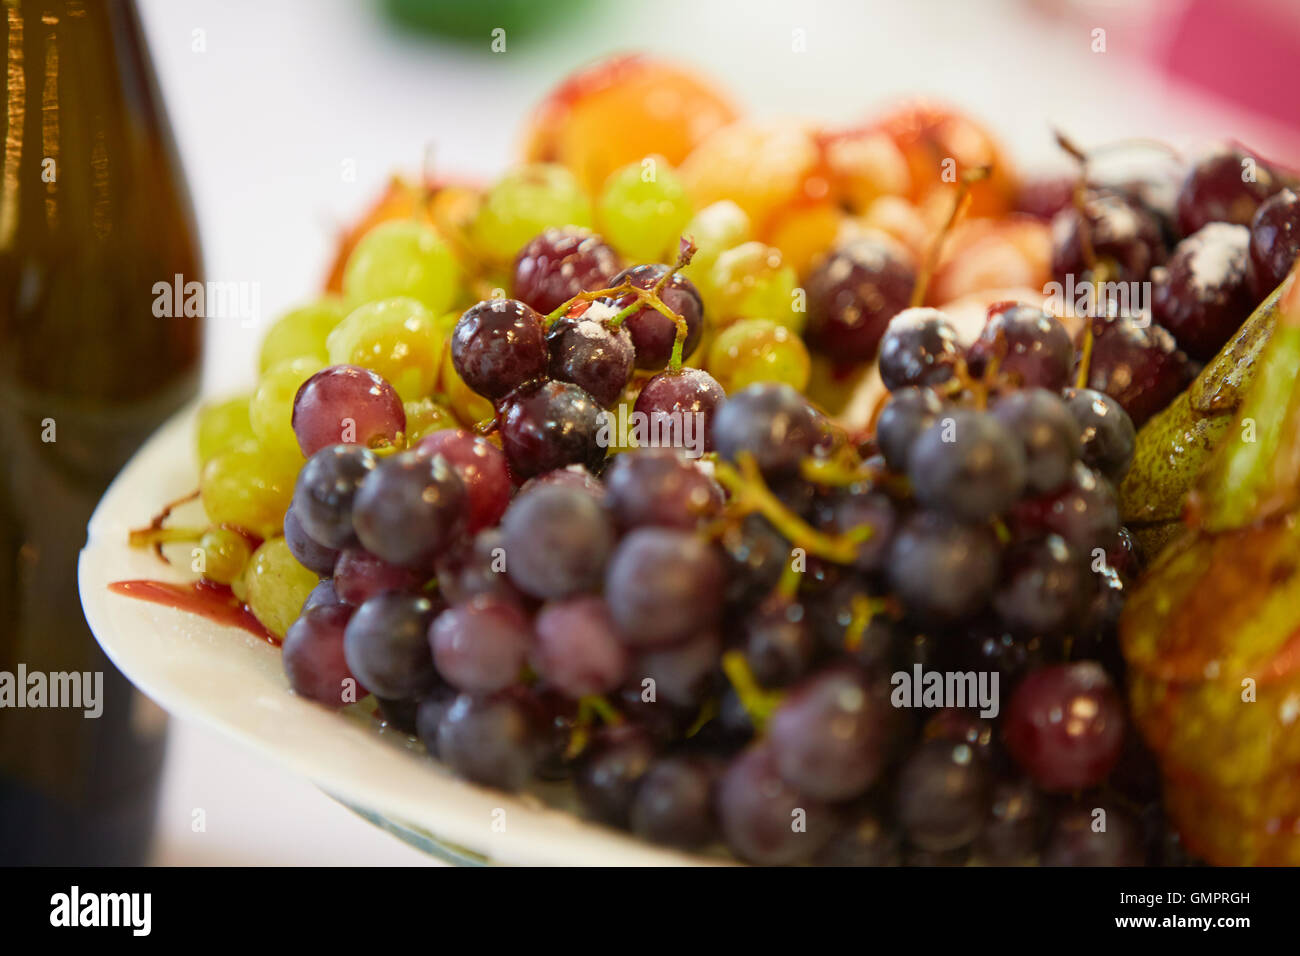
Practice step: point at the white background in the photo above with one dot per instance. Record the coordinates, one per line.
(284, 93)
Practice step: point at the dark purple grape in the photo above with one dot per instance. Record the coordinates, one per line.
(309, 552)
(557, 720)
(481, 646)
(853, 509)
(943, 569)
(674, 802)
(1014, 827)
(610, 771)
(779, 643)
(683, 673)
(477, 567)
(988, 646)
(494, 740)
(867, 838)
(1085, 513)
(657, 486)
(832, 735)
(409, 509)
(967, 465)
(1124, 236)
(592, 355)
(1031, 347)
(1138, 365)
(832, 616)
(942, 796)
(326, 489)
(853, 294)
(919, 347)
(1043, 586)
(959, 725)
(680, 407)
(577, 649)
(558, 264)
(572, 476)
(313, 657)
(1044, 196)
(346, 404)
(428, 715)
(1048, 434)
(323, 594)
(1065, 726)
(360, 575)
(387, 645)
(755, 554)
(665, 722)
(1105, 430)
(653, 333)
(910, 411)
(1100, 835)
(772, 422)
(498, 345)
(1202, 294)
(663, 585)
(551, 425)
(1227, 185)
(764, 819)
(557, 540)
(482, 467)
(1274, 242)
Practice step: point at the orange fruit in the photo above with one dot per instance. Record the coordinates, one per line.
(620, 110)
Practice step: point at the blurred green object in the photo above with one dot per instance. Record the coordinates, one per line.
(476, 19)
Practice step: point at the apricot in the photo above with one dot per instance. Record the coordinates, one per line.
(619, 110)
(928, 134)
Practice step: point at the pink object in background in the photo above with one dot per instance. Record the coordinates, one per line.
(1244, 51)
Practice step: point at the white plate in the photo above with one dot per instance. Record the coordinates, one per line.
(229, 680)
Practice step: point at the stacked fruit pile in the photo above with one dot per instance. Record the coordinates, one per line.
(623, 525)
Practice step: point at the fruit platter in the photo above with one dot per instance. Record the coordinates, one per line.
(708, 490)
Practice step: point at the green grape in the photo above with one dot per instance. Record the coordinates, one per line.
(223, 425)
(643, 210)
(271, 410)
(425, 417)
(399, 339)
(402, 258)
(248, 488)
(468, 405)
(714, 229)
(301, 333)
(276, 585)
(758, 350)
(225, 553)
(752, 281)
(522, 204)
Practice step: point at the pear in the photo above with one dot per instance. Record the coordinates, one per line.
(1176, 443)
(1212, 633)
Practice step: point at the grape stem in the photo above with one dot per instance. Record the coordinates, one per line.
(590, 706)
(758, 703)
(864, 609)
(968, 179)
(749, 493)
(641, 299)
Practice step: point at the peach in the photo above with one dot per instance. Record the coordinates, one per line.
(928, 134)
(984, 254)
(619, 110)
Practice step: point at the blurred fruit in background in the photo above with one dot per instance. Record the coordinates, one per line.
(620, 110)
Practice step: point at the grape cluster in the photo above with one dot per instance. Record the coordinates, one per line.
(1232, 234)
(433, 509)
(705, 646)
